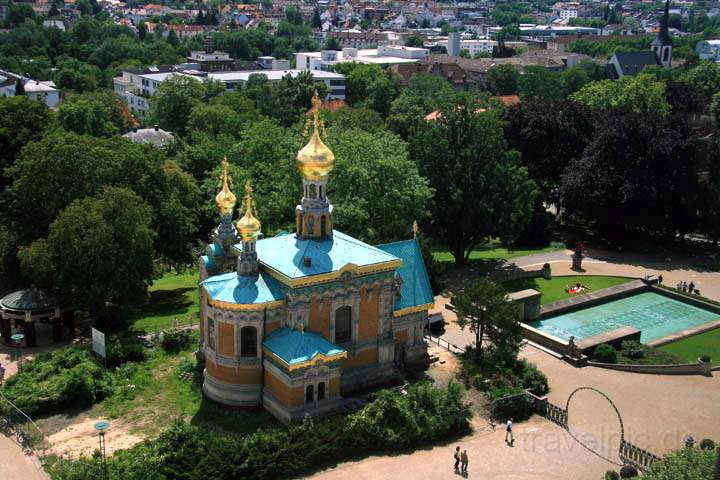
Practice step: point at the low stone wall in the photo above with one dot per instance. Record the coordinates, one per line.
(541, 338)
(506, 275)
(680, 369)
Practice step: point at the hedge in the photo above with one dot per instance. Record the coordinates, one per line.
(394, 421)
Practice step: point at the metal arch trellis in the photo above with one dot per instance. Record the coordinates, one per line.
(617, 412)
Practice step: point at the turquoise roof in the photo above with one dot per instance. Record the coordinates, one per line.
(244, 289)
(416, 284)
(295, 347)
(285, 254)
(208, 261)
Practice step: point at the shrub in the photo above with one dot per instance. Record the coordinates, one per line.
(65, 378)
(122, 350)
(686, 464)
(612, 475)
(705, 358)
(605, 353)
(632, 349)
(175, 341)
(628, 472)
(707, 444)
(391, 422)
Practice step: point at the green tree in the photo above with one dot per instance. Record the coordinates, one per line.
(63, 167)
(98, 250)
(174, 100)
(502, 80)
(688, 464)
(369, 85)
(21, 121)
(705, 77)
(19, 88)
(375, 187)
(538, 82)
(481, 190)
(95, 115)
(332, 44)
(640, 94)
(484, 309)
(316, 20)
(214, 120)
(414, 40)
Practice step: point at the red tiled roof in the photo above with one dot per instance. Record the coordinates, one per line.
(507, 100)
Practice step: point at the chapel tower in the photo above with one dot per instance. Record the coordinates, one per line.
(315, 161)
(248, 227)
(662, 45)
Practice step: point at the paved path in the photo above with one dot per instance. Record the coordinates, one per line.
(15, 465)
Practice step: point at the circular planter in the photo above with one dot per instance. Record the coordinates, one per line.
(705, 368)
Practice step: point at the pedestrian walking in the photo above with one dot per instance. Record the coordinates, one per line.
(509, 431)
(2, 374)
(691, 287)
(660, 279)
(457, 458)
(464, 461)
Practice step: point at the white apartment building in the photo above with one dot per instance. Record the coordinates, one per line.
(567, 14)
(383, 55)
(136, 87)
(472, 46)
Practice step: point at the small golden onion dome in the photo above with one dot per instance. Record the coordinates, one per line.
(225, 199)
(315, 160)
(248, 226)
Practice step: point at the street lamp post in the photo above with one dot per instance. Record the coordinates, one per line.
(102, 427)
(17, 339)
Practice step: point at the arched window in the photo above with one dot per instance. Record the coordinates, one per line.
(343, 316)
(248, 342)
(323, 225)
(321, 391)
(211, 333)
(313, 190)
(309, 394)
(311, 225)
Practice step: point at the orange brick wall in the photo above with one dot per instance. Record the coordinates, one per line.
(366, 357)
(287, 396)
(226, 338)
(320, 319)
(401, 336)
(369, 312)
(334, 387)
(239, 376)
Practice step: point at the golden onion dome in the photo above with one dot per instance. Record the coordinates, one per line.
(248, 226)
(225, 199)
(315, 160)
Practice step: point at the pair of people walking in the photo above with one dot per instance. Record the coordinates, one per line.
(461, 460)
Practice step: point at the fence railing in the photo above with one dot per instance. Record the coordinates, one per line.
(450, 347)
(636, 456)
(15, 424)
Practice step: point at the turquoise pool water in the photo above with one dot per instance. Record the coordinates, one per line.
(655, 315)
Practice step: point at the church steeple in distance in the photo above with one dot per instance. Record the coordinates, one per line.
(315, 162)
(662, 45)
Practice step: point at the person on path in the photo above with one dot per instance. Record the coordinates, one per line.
(457, 457)
(2, 374)
(509, 432)
(464, 461)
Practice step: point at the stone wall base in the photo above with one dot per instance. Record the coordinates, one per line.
(230, 394)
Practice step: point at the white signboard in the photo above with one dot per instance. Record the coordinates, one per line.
(98, 342)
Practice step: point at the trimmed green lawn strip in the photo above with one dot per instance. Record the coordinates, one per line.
(554, 289)
(691, 348)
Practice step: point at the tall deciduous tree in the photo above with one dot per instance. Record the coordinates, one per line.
(502, 80)
(174, 100)
(483, 308)
(481, 189)
(98, 114)
(21, 121)
(98, 250)
(640, 94)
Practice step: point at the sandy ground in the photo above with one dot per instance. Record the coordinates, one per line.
(81, 438)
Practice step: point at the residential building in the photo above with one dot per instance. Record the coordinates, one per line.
(359, 39)
(708, 50)
(567, 14)
(472, 46)
(236, 80)
(210, 60)
(383, 55)
(548, 31)
(156, 136)
(43, 91)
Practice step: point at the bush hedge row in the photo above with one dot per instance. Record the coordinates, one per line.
(393, 421)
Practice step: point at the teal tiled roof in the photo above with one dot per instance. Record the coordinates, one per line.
(295, 348)
(285, 254)
(244, 289)
(416, 284)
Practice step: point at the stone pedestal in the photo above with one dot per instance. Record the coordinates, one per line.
(577, 259)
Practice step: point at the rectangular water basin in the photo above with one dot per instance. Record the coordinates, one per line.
(655, 315)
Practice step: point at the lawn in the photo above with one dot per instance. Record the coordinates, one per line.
(493, 251)
(171, 296)
(692, 348)
(554, 289)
